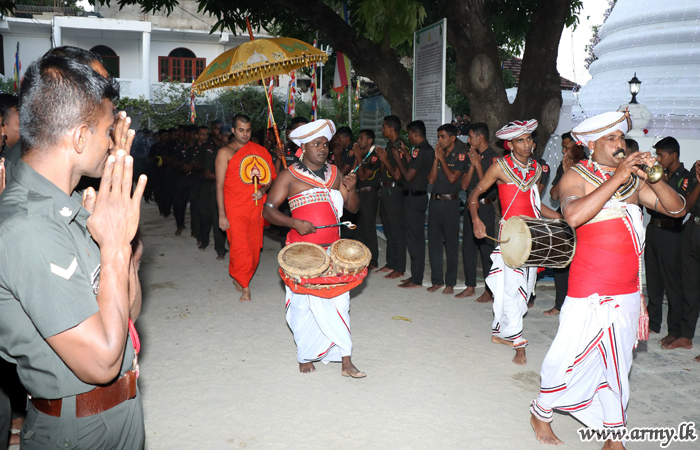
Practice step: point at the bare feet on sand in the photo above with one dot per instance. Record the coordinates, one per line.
(307, 367)
(394, 274)
(486, 297)
(667, 340)
(435, 287)
(468, 292)
(383, 269)
(678, 343)
(348, 369)
(178, 232)
(245, 295)
(520, 358)
(220, 257)
(449, 290)
(409, 285)
(543, 432)
(239, 288)
(613, 445)
(697, 359)
(551, 312)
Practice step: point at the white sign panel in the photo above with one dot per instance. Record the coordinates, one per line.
(429, 54)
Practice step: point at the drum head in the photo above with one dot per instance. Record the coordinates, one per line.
(348, 254)
(516, 251)
(303, 259)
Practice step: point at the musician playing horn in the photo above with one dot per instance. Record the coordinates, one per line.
(516, 176)
(586, 371)
(316, 193)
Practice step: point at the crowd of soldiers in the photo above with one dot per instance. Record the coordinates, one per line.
(407, 179)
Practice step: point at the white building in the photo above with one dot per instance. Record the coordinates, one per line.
(660, 42)
(140, 50)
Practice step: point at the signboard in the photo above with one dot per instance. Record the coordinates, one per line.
(429, 57)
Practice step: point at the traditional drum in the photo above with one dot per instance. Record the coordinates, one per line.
(303, 260)
(529, 242)
(349, 257)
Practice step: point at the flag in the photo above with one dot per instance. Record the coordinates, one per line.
(18, 68)
(290, 107)
(357, 94)
(193, 113)
(269, 99)
(314, 106)
(342, 72)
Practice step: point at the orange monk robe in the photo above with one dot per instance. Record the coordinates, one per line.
(245, 233)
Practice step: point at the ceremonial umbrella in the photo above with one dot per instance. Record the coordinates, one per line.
(256, 60)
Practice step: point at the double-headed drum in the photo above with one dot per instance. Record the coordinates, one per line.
(530, 242)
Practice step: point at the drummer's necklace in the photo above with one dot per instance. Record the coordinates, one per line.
(320, 173)
(523, 168)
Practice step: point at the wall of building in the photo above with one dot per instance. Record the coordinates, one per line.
(31, 49)
(128, 50)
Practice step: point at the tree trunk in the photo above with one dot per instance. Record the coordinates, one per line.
(479, 75)
(539, 91)
(377, 61)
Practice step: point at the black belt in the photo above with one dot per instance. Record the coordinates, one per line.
(367, 189)
(410, 193)
(389, 184)
(444, 197)
(666, 223)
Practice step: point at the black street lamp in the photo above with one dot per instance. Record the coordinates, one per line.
(635, 84)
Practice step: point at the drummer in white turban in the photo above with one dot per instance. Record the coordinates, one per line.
(586, 371)
(516, 176)
(317, 193)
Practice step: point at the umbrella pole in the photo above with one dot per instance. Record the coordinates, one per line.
(272, 116)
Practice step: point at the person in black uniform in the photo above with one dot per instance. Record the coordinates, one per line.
(195, 166)
(168, 173)
(481, 156)
(690, 259)
(290, 151)
(344, 151)
(664, 244)
(156, 166)
(450, 163)
(415, 167)
(368, 190)
(181, 161)
(391, 201)
(209, 208)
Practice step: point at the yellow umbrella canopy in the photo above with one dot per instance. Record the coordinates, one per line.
(253, 60)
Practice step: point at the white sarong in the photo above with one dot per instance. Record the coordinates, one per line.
(586, 370)
(321, 326)
(511, 289)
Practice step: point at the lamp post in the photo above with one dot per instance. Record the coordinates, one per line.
(641, 115)
(635, 84)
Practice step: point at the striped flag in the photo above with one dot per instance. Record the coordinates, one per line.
(314, 100)
(314, 105)
(193, 113)
(342, 72)
(269, 99)
(18, 69)
(357, 94)
(290, 107)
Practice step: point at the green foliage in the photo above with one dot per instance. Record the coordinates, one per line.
(7, 85)
(398, 18)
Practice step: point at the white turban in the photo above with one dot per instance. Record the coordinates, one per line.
(598, 126)
(312, 130)
(516, 128)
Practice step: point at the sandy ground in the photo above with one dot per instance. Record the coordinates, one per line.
(220, 374)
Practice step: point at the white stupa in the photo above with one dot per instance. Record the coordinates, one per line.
(660, 41)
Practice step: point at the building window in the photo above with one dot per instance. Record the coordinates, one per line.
(180, 65)
(109, 59)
